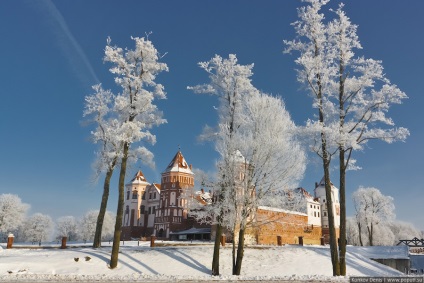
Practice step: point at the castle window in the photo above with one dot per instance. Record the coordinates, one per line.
(154, 195)
(142, 209)
(150, 196)
(153, 209)
(150, 210)
(128, 195)
(127, 209)
(134, 195)
(318, 213)
(315, 214)
(143, 196)
(325, 213)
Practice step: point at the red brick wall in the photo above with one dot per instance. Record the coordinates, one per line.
(270, 224)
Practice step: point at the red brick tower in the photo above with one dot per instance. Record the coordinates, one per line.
(172, 213)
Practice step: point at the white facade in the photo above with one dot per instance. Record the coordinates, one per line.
(320, 194)
(133, 197)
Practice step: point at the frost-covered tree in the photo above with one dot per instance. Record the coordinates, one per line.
(38, 228)
(356, 95)
(259, 155)
(271, 160)
(87, 225)
(403, 231)
(99, 107)
(134, 109)
(229, 81)
(372, 209)
(315, 74)
(66, 226)
(12, 212)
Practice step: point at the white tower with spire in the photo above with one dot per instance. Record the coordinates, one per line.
(320, 194)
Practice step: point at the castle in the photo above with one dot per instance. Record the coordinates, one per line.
(161, 210)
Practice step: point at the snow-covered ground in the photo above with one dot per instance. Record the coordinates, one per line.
(172, 263)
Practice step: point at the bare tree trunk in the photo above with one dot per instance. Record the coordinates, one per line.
(120, 209)
(103, 205)
(326, 165)
(360, 233)
(342, 244)
(233, 254)
(216, 247)
(331, 224)
(370, 234)
(240, 253)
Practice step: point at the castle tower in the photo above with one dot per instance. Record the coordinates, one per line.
(320, 194)
(134, 194)
(172, 213)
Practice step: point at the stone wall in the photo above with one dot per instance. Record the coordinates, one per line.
(289, 226)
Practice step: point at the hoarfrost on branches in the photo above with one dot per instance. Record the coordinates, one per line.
(12, 212)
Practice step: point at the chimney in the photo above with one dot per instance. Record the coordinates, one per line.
(191, 167)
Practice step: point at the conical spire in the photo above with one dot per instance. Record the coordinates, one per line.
(178, 164)
(139, 178)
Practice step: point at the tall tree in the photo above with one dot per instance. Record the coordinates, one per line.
(315, 72)
(356, 94)
(363, 95)
(98, 106)
(372, 209)
(135, 72)
(258, 153)
(229, 81)
(12, 212)
(270, 160)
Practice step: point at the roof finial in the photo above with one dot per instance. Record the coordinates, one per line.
(179, 148)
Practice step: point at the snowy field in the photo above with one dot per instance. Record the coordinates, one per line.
(177, 263)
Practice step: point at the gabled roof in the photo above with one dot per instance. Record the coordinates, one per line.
(157, 186)
(178, 164)
(139, 179)
(153, 187)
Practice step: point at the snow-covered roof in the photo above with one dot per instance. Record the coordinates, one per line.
(139, 179)
(281, 210)
(192, 231)
(154, 187)
(306, 195)
(178, 164)
(322, 183)
(381, 252)
(203, 197)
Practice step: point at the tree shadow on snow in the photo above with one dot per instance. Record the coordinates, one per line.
(106, 259)
(184, 258)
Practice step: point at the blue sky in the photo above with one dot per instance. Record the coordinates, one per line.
(51, 54)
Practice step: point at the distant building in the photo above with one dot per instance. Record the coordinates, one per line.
(161, 210)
